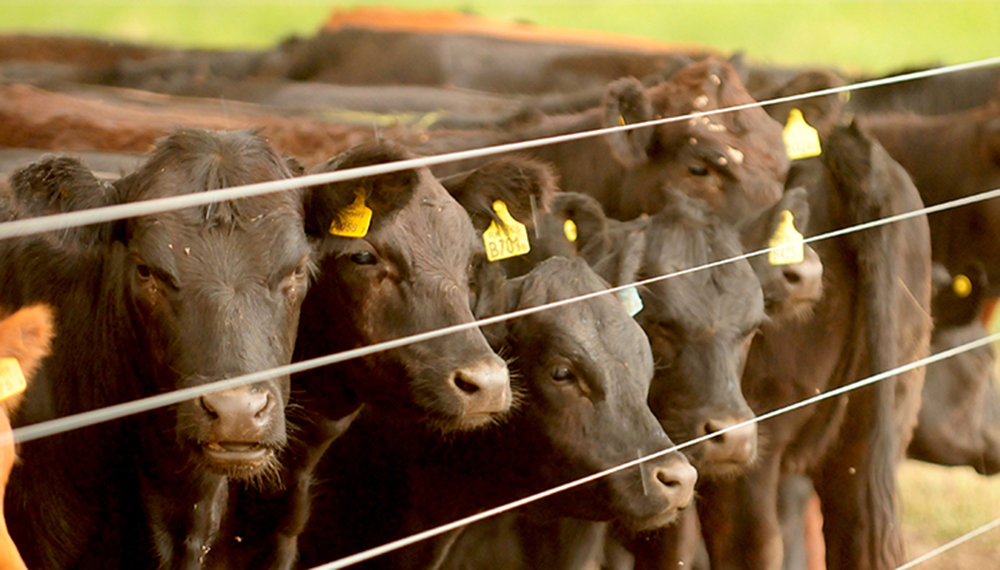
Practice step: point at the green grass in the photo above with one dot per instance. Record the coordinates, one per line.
(871, 36)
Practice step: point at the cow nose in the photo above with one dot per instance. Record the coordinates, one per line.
(240, 414)
(675, 481)
(737, 445)
(483, 388)
(804, 281)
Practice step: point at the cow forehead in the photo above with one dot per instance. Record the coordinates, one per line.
(258, 242)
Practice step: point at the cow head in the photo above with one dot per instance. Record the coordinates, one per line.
(586, 369)
(735, 161)
(408, 273)
(215, 291)
(959, 421)
(699, 325)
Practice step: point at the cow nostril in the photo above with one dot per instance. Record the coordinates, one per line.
(464, 385)
(264, 409)
(207, 407)
(672, 483)
(792, 277)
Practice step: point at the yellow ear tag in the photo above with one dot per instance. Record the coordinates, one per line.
(569, 229)
(354, 220)
(801, 140)
(509, 240)
(961, 286)
(621, 120)
(11, 379)
(788, 241)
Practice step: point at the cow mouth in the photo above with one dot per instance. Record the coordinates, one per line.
(237, 454)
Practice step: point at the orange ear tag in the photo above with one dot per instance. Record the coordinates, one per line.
(788, 241)
(355, 219)
(11, 379)
(508, 240)
(801, 140)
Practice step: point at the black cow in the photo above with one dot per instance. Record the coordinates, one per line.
(145, 306)
(959, 421)
(409, 273)
(583, 373)
(874, 315)
(735, 161)
(949, 157)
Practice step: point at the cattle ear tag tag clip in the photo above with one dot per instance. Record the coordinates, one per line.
(630, 298)
(11, 379)
(569, 230)
(788, 241)
(509, 240)
(801, 140)
(354, 220)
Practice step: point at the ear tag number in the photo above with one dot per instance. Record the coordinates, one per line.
(630, 298)
(788, 241)
(354, 220)
(961, 286)
(569, 230)
(508, 240)
(11, 379)
(801, 140)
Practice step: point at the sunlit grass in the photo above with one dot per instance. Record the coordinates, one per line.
(873, 36)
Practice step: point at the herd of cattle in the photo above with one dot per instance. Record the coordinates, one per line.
(296, 471)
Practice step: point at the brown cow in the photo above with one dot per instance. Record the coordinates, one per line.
(24, 338)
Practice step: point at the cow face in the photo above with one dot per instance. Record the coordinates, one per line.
(409, 273)
(216, 292)
(586, 369)
(736, 161)
(700, 326)
(959, 420)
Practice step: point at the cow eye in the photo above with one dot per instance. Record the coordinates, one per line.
(300, 271)
(561, 374)
(698, 169)
(143, 271)
(363, 258)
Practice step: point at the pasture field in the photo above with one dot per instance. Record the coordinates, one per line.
(857, 36)
(863, 36)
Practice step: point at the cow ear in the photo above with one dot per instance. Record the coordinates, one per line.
(758, 229)
(958, 299)
(822, 113)
(61, 184)
(382, 194)
(26, 336)
(589, 229)
(626, 103)
(525, 185)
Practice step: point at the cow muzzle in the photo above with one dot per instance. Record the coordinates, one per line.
(237, 429)
(480, 393)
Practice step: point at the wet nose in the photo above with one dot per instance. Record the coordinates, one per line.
(737, 445)
(675, 481)
(804, 281)
(240, 414)
(483, 388)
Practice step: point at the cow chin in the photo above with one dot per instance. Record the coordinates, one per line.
(650, 523)
(719, 470)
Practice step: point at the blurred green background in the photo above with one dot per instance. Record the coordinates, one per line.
(871, 36)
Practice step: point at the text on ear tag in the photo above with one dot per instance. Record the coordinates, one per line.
(630, 298)
(961, 286)
(508, 240)
(11, 379)
(569, 230)
(354, 220)
(788, 241)
(801, 140)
